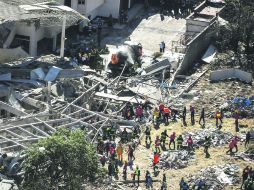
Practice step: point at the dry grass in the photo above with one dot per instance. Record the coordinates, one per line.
(218, 154)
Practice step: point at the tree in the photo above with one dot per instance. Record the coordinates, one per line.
(238, 34)
(65, 159)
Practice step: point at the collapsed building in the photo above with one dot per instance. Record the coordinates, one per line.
(26, 26)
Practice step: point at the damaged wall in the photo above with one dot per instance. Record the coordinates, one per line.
(196, 48)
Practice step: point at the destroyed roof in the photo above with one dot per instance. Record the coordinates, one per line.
(48, 13)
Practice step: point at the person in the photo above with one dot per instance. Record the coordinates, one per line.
(166, 112)
(184, 116)
(149, 182)
(172, 140)
(110, 20)
(164, 182)
(247, 139)
(124, 136)
(236, 116)
(190, 143)
(202, 117)
(200, 184)
(130, 153)
(103, 160)
(179, 142)
(218, 117)
(161, 110)
(146, 180)
(112, 151)
(148, 134)
(125, 166)
(119, 151)
(136, 174)
(135, 133)
(245, 175)
(236, 139)
(139, 113)
(164, 135)
(100, 147)
(110, 170)
(112, 133)
(207, 144)
(157, 144)
(192, 110)
(231, 146)
(162, 47)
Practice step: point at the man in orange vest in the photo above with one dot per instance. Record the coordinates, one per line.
(218, 117)
(166, 112)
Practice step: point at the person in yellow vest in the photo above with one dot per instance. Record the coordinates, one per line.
(136, 173)
(156, 113)
(119, 151)
(218, 117)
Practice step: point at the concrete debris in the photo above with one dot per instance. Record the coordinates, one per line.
(216, 177)
(247, 156)
(229, 74)
(218, 138)
(175, 159)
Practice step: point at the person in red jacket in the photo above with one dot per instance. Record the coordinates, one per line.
(166, 112)
(231, 146)
(172, 140)
(161, 109)
(190, 143)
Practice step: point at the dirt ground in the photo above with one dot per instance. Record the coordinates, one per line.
(218, 154)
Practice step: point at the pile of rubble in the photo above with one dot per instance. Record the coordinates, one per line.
(175, 159)
(247, 156)
(218, 138)
(216, 177)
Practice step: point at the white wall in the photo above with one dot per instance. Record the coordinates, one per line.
(109, 7)
(91, 5)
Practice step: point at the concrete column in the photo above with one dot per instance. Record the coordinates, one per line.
(33, 41)
(54, 42)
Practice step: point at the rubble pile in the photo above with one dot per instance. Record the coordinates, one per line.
(216, 177)
(175, 159)
(247, 156)
(218, 138)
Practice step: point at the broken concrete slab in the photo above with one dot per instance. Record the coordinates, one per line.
(209, 54)
(229, 74)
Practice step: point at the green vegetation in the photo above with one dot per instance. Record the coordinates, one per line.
(237, 36)
(65, 160)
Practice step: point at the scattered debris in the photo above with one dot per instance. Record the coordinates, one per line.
(216, 177)
(175, 159)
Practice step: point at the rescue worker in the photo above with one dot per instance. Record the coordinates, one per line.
(112, 133)
(161, 109)
(245, 175)
(179, 142)
(202, 117)
(130, 153)
(190, 143)
(119, 151)
(139, 113)
(157, 144)
(236, 139)
(148, 134)
(166, 112)
(124, 136)
(207, 144)
(104, 131)
(247, 139)
(192, 110)
(100, 147)
(108, 128)
(231, 146)
(164, 135)
(136, 174)
(236, 116)
(135, 134)
(172, 140)
(184, 116)
(125, 166)
(218, 117)
(164, 182)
